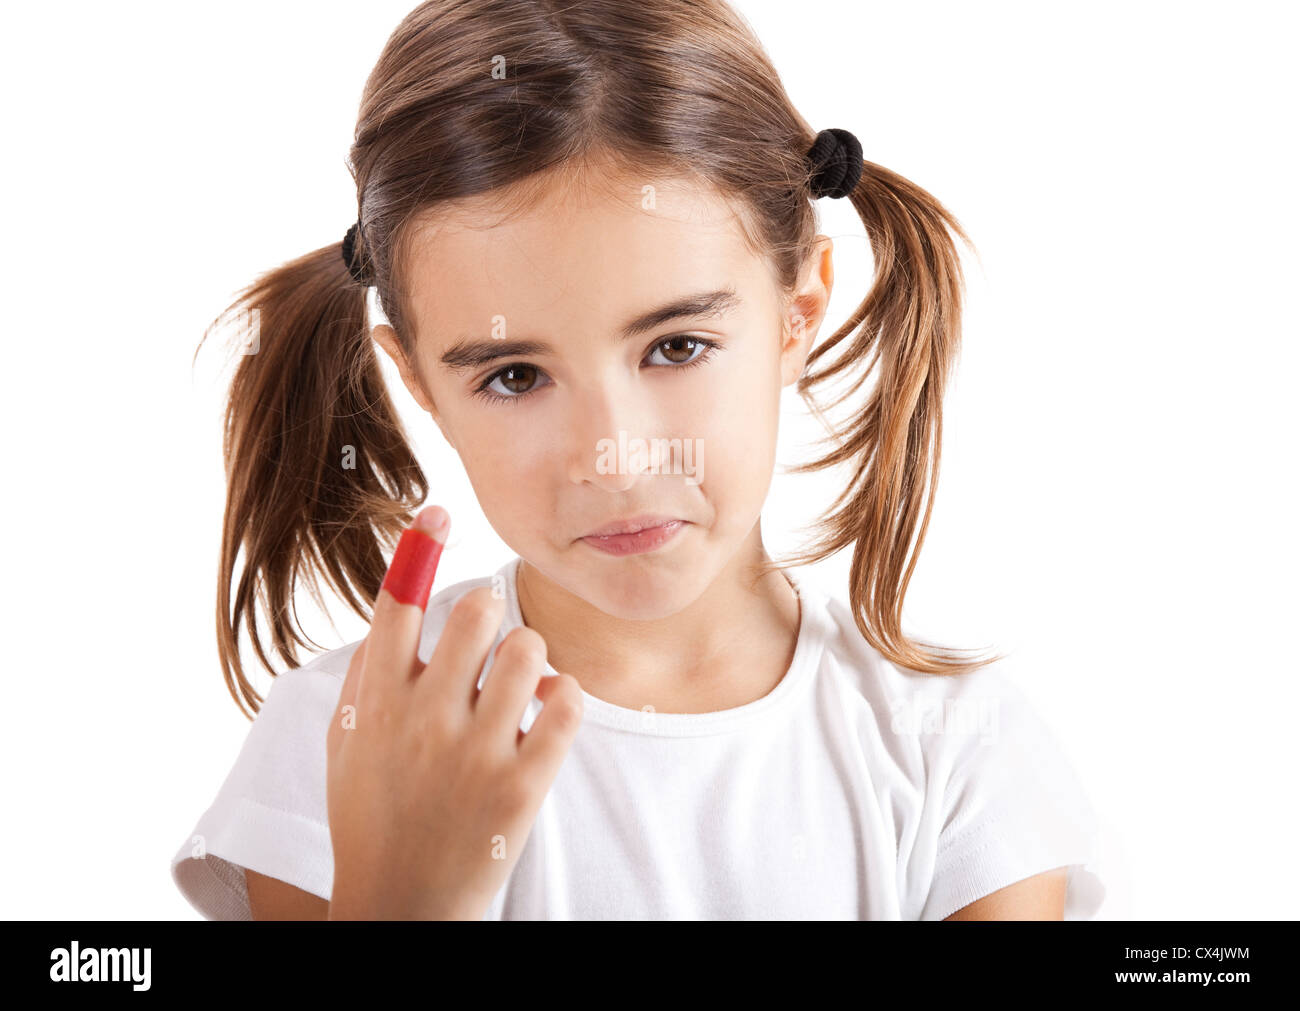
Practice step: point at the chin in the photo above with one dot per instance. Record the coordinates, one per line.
(633, 592)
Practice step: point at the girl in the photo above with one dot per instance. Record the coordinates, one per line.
(592, 233)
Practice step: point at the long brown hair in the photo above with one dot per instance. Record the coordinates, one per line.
(471, 97)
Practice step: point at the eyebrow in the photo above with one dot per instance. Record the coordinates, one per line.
(467, 353)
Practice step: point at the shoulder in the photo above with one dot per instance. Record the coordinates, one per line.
(981, 792)
(1004, 801)
(934, 711)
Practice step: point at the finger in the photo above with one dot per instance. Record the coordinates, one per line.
(345, 711)
(518, 665)
(551, 733)
(399, 609)
(462, 649)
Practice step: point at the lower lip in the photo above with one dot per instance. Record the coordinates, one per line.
(638, 543)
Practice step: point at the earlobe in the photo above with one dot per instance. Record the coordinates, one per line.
(794, 351)
(807, 309)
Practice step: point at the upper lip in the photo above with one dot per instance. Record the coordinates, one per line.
(630, 525)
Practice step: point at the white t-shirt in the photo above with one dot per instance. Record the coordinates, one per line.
(852, 790)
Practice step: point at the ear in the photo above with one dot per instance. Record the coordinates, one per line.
(806, 309)
(386, 337)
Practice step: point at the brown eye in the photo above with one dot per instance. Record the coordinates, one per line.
(511, 376)
(676, 349)
(519, 381)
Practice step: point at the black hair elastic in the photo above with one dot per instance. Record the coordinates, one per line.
(355, 267)
(835, 159)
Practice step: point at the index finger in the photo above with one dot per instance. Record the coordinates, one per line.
(399, 609)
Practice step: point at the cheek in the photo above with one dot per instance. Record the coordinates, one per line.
(735, 454)
(739, 410)
(504, 467)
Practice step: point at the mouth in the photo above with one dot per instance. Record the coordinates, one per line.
(632, 525)
(646, 534)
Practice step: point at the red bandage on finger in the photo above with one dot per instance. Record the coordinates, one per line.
(410, 576)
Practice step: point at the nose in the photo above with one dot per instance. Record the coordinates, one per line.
(610, 442)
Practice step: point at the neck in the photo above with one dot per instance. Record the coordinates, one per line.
(731, 646)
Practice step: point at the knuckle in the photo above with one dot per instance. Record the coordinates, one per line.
(475, 610)
(432, 727)
(372, 718)
(525, 646)
(572, 690)
(566, 703)
(514, 793)
(568, 713)
(384, 718)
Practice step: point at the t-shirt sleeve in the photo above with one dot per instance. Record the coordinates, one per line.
(1009, 803)
(270, 814)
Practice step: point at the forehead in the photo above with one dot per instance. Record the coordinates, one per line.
(586, 254)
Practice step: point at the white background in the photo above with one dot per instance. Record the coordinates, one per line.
(1118, 480)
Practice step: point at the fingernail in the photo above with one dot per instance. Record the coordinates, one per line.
(433, 519)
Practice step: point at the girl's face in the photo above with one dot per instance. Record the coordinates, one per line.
(604, 357)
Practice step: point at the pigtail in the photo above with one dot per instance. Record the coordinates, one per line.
(907, 329)
(320, 479)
